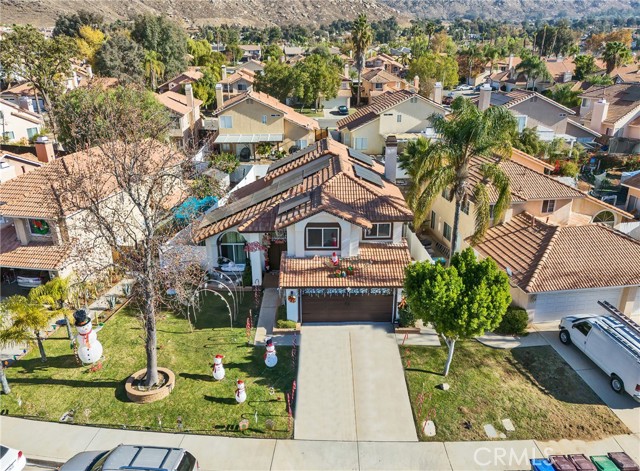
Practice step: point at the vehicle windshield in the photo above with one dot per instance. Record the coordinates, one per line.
(97, 464)
(187, 463)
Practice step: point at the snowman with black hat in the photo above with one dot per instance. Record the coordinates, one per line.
(88, 347)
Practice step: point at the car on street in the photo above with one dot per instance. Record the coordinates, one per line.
(343, 110)
(464, 88)
(128, 457)
(11, 459)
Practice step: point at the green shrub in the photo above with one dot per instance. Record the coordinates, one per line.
(569, 169)
(514, 322)
(406, 318)
(281, 313)
(286, 324)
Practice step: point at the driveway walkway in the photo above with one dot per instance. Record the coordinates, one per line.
(351, 385)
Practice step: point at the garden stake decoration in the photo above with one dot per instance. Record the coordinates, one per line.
(290, 418)
(218, 368)
(270, 357)
(241, 393)
(249, 327)
(88, 348)
(294, 350)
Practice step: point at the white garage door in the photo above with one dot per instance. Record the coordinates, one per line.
(335, 102)
(553, 306)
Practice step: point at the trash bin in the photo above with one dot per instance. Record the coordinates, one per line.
(582, 463)
(603, 463)
(541, 465)
(561, 463)
(623, 461)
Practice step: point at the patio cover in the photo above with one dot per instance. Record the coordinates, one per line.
(248, 138)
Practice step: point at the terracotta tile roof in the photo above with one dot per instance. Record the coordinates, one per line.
(323, 179)
(49, 257)
(623, 98)
(377, 266)
(289, 113)
(188, 76)
(380, 76)
(24, 88)
(628, 73)
(633, 182)
(544, 257)
(176, 102)
(558, 68)
(246, 74)
(379, 105)
(517, 155)
(517, 96)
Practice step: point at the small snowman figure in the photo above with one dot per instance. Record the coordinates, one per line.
(218, 368)
(334, 259)
(241, 394)
(89, 348)
(270, 357)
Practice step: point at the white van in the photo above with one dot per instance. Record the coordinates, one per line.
(612, 342)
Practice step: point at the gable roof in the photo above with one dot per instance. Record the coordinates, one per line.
(627, 73)
(544, 257)
(22, 113)
(240, 74)
(623, 99)
(192, 74)
(321, 178)
(517, 96)
(380, 75)
(176, 102)
(633, 182)
(379, 105)
(289, 113)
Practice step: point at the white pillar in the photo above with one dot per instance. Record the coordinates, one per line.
(256, 260)
(292, 308)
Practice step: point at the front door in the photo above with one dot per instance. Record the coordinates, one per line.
(275, 253)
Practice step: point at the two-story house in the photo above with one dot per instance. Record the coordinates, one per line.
(185, 116)
(240, 81)
(251, 118)
(550, 204)
(12, 165)
(343, 96)
(386, 62)
(402, 113)
(18, 120)
(251, 51)
(329, 221)
(376, 82)
(177, 84)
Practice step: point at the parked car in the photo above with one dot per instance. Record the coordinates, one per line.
(11, 459)
(343, 110)
(463, 88)
(612, 342)
(133, 457)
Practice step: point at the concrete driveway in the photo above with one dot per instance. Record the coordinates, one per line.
(351, 385)
(627, 410)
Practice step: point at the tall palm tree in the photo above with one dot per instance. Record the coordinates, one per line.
(490, 54)
(54, 294)
(27, 320)
(412, 160)
(444, 165)
(564, 95)
(534, 69)
(153, 68)
(361, 37)
(616, 54)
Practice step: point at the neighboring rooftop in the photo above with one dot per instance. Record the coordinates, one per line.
(543, 257)
(623, 98)
(517, 96)
(633, 182)
(176, 102)
(246, 74)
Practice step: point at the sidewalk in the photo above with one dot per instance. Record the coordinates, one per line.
(267, 320)
(56, 443)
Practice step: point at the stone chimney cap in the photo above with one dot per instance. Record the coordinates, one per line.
(391, 141)
(486, 86)
(218, 86)
(602, 100)
(438, 85)
(188, 87)
(42, 140)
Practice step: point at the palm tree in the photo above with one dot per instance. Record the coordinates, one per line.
(490, 54)
(564, 95)
(616, 54)
(361, 37)
(153, 68)
(54, 294)
(534, 69)
(412, 160)
(429, 29)
(444, 165)
(27, 320)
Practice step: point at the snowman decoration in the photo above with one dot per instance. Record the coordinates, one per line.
(89, 349)
(270, 357)
(218, 368)
(241, 394)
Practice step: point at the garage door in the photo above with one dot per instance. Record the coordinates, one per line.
(369, 308)
(553, 306)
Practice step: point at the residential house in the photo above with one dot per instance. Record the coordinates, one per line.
(343, 96)
(251, 52)
(386, 62)
(539, 197)
(400, 113)
(376, 82)
(185, 116)
(24, 95)
(251, 118)
(632, 204)
(19, 121)
(292, 51)
(240, 81)
(177, 84)
(629, 73)
(13, 165)
(614, 111)
(319, 213)
(253, 65)
(536, 111)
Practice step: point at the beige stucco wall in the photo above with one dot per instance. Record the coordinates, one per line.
(247, 119)
(543, 113)
(592, 208)
(16, 124)
(293, 133)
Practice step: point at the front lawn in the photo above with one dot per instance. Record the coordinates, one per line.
(544, 398)
(49, 390)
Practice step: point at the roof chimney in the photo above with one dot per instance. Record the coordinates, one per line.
(346, 70)
(219, 95)
(391, 158)
(89, 71)
(599, 115)
(188, 91)
(485, 97)
(510, 62)
(437, 93)
(44, 149)
(416, 83)
(224, 72)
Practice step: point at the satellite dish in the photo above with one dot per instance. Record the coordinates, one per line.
(509, 271)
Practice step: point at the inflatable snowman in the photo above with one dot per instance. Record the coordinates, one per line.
(218, 368)
(270, 358)
(241, 394)
(88, 347)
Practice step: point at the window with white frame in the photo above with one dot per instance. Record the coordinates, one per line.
(226, 122)
(264, 119)
(548, 206)
(522, 122)
(378, 86)
(399, 118)
(360, 143)
(446, 231)
(432, 223)
(492, 208)
(464, 206)
(225, 147)
(301, 143)
(378, 231)
(322, 236)
(31, 132)
(231, 246)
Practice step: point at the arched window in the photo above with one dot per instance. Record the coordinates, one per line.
(605, 217)
(231, 245)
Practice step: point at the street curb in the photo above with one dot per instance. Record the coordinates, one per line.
(45, 463)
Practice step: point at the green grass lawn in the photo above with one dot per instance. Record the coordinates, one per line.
(544, 398)
(48, 390)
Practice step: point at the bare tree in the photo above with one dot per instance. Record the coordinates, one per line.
(119, 191)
